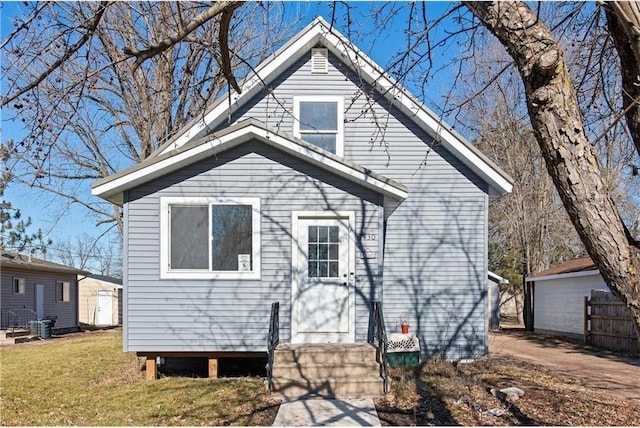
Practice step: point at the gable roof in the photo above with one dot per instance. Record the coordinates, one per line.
(319, 32)
(8, 259)
(112, 187)
(576, 267)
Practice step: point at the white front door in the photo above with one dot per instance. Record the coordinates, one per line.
(40, 301)
(104, 307)
(323, 282)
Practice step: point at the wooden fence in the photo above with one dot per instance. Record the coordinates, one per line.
(608, 323)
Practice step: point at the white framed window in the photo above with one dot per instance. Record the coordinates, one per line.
(62, 291)
(209, 238)
(18, 285)
(319, 120)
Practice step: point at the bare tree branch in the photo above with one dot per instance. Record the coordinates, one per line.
(166, 43)
(91, 27)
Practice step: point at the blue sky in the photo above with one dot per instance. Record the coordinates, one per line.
(59, 221)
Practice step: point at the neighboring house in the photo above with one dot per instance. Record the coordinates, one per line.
(100, 300)
(324, 186)
(493, 298)
(558, 296)
(34, 289)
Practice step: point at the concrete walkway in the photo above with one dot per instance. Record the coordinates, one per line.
(325, 412)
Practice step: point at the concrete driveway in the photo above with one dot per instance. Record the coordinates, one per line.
(618, 375)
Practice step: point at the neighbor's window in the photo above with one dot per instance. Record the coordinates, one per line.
(211, 237)
(62, 291)
(18, 285)
(319, 121)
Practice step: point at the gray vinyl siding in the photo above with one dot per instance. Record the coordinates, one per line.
(435, 246)
(66, 312)
(233, 315)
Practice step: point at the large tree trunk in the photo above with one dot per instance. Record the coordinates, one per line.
(557, 123)
(623, 21)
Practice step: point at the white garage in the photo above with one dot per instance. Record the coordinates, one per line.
(558, 296)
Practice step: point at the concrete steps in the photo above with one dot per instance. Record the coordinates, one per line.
(326, 370)
(14, 336)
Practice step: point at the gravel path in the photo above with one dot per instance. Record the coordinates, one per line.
(618, 375)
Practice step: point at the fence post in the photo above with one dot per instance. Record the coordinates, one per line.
(586, 319)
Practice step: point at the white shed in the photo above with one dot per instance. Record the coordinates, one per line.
(558, 296)
(100, 300)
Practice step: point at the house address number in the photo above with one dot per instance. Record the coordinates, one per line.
(370, 237)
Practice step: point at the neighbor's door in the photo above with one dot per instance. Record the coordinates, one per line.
(104, 307)
(40, 301)
(323, 301)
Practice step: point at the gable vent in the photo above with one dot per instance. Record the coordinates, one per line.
(319, 60)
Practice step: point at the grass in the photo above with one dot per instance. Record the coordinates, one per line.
(90, 381)
(431, 395)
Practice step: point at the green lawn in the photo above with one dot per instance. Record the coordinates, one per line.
(88, 380)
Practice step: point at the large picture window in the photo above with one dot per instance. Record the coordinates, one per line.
(210, 238)
(319, 121)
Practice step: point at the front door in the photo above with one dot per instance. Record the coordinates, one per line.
(323, 282)
(40, 301)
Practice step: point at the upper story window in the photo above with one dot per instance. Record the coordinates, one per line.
(204, 238)
(319, 121)
(18, 285)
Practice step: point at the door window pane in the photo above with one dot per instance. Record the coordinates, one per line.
(232, 236)
(323, 252)
(189, 231)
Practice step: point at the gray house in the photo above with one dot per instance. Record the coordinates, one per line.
(323, 186)
(34, 289)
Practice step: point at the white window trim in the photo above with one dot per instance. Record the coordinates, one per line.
(321, 98)
(21, 285)
(67, 287)
(166, 273)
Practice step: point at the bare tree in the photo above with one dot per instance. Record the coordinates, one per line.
(99, 86)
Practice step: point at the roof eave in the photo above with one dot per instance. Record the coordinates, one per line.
(113, 188)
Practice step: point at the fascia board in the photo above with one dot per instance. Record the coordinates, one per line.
(563, 275)
(176, 161)
(334, 166)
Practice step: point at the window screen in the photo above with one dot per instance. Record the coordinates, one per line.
(189, 232)
(232, 236)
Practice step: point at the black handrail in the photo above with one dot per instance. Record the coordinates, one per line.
(272, 341)
(380, 337)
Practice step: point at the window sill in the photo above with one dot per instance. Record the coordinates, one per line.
(209, 275)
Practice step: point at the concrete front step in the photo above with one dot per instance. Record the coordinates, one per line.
(326, 370)
(325, 353)
(315, 371)
(18, 332)
(297, 388)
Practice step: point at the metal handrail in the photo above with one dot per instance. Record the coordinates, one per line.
(380, 337)
(272, 341)
(17, 318)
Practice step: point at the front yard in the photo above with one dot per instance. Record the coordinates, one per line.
(86, 379)
(90, 381)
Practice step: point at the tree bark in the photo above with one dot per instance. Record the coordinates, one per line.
(557, 122)
(623, 21)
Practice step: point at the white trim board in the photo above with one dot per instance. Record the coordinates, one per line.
(112, 188)
(563, 275)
